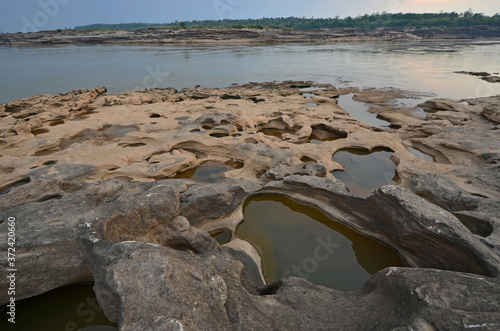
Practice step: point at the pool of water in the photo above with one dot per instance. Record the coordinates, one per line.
(298, 240)
(208, 172)
(321, 133)
(365, 170)
(222, 236)
(68, 308)
(118, 130)
(359, 111)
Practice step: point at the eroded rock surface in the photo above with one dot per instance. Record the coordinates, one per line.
(91, 181)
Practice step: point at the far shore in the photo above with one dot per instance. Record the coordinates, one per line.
(165, 36)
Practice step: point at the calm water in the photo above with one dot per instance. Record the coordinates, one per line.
(297, 240)
(359, 110)
(68, 308)
(418, 66)
(208, 172)
(365, 171)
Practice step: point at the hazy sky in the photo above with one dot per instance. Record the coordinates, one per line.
(28, 15)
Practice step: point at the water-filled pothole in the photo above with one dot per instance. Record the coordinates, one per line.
(222, 236)
(359, 111)
(219, 134)
(321, 133)
(308, 96)
(208, 172)
(365, 170)
(115, 131)
(68, 308)
(298, 240)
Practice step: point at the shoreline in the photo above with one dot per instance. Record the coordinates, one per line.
(239, 36)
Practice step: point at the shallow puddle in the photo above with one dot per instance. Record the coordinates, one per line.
(321, 133)
(115, 131)
(359, 111)
(68, 308)
(365, 171)
(222, 236)
(308, 96)
(208, 172)
(298, 240)
(422, 155)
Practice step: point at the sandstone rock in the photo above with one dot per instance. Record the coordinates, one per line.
(150, 287)
(492, 113)
(104, 203)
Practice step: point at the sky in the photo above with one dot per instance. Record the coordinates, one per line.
(36, 15)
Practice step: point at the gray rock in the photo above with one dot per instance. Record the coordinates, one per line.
(146, 287)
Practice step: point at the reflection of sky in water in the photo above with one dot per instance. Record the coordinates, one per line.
(365, 172)
(208, 172)
(425, 66)
(359, 111)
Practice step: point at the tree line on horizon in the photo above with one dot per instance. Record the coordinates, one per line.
(373, 21)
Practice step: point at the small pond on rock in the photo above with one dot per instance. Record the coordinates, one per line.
(359, 111)
(68, 308)
(222, 236)
(365, 170)
(298, 240)
(208, 172)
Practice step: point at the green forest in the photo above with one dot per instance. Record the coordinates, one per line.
(373, 21)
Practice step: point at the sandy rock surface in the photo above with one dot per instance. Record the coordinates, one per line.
(98, 185)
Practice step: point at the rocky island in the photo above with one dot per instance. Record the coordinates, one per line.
(101, 189)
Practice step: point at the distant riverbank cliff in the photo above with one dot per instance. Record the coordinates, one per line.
(239, 36)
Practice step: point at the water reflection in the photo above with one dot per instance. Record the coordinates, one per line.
(68, 308)
(359, 111)
(208, 172)
(365, 171)
(424, 66)
(298, 240)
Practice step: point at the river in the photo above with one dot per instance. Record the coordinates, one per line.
(419, 66)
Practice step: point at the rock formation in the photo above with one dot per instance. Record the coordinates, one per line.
(95, 182)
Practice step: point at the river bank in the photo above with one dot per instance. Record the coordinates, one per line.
(103, 188)
(158, 36)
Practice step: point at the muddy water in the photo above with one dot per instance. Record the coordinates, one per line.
(365, 171)
(208, 172)
(297, 240)
(68, 308)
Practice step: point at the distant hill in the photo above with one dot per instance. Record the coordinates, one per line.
(374, 21)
